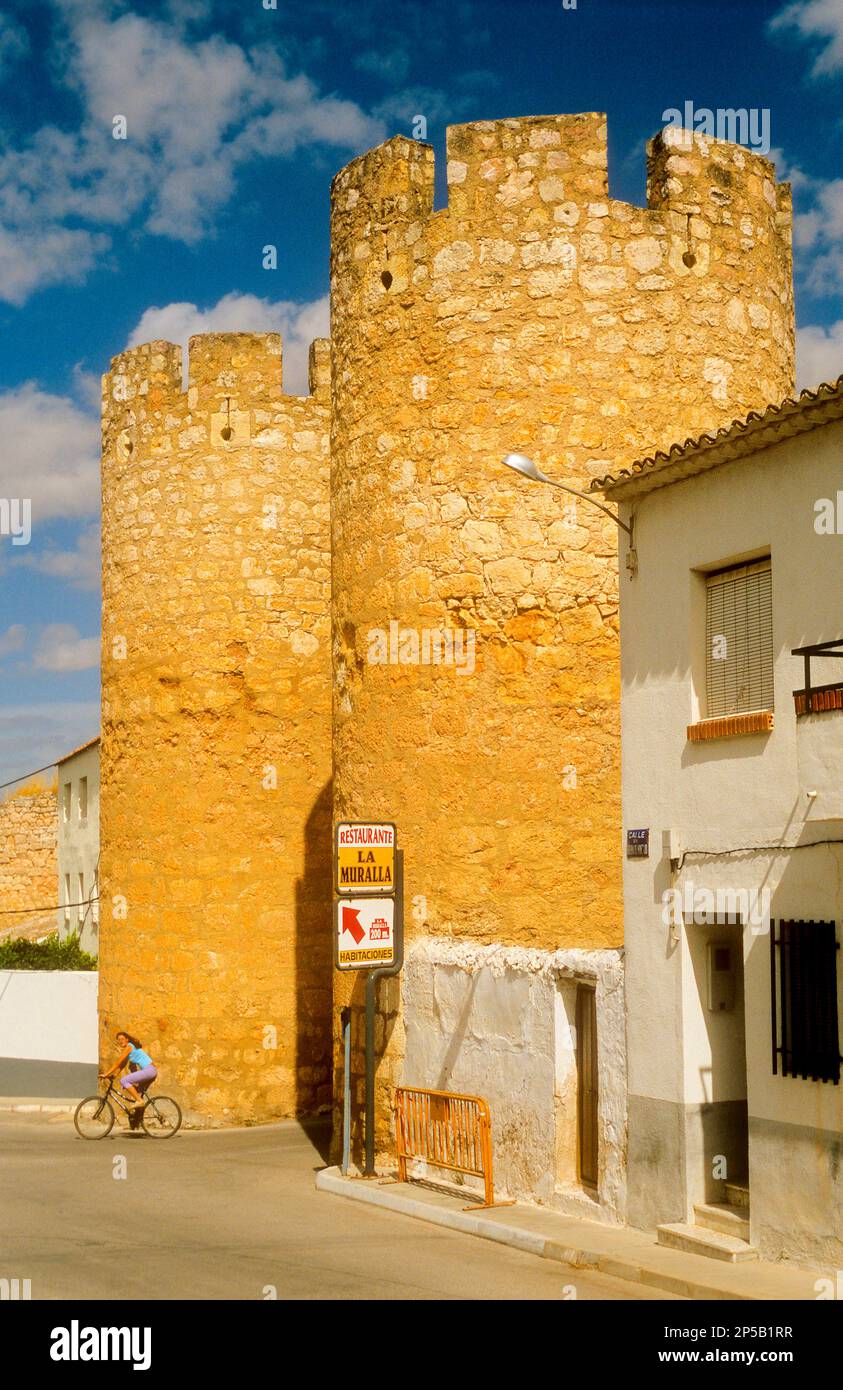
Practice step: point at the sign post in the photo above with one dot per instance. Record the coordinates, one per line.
(368, 931)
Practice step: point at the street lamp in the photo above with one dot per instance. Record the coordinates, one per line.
(524, 465)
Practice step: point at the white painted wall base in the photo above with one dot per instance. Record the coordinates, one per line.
(495, 1021)
(49, 1015)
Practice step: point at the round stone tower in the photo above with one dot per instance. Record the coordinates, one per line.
(532, 314)
(216, 815)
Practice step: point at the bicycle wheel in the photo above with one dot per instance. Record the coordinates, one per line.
(161, 1117)
(93, 1117)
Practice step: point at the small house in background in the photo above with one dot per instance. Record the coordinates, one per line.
(79, 844)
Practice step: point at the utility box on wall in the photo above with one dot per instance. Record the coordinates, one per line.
(721, 976)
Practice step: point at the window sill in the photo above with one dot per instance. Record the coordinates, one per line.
(731, 726)
(823, 698)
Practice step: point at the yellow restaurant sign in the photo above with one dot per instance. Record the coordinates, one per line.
(365, 858)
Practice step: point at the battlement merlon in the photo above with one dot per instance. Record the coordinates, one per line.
(498, 171)
(142, 377)
(381, 192)
(243, 368)
(144, 384)
(695, 175)
(534, 173)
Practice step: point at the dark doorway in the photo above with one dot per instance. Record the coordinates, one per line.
(587, 1095)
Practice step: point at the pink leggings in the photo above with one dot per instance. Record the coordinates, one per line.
(139, 1079)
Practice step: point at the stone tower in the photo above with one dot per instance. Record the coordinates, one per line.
(535, 314)
(216, 763)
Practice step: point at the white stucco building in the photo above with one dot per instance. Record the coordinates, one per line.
(79, 844)
(733, 919)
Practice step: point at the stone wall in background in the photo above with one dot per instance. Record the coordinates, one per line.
(28, 862)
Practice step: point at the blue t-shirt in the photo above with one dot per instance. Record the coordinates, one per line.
(140, 1058)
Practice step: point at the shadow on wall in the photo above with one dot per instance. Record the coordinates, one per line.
(314, 962)
(452, 1052)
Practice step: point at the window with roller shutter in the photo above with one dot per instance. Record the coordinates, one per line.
(739, 640)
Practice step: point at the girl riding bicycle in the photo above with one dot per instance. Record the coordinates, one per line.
(144, 1069)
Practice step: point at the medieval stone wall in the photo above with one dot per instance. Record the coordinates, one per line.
(533, 314)
(215, 793)
(472, 615)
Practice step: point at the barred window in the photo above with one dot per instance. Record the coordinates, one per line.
(739, 640)
(803, 988)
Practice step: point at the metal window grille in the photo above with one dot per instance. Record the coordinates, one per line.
(739, 640)
(803, 994)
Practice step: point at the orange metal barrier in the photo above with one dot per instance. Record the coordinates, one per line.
(447, 1130)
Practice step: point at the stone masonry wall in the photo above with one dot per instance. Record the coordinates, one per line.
(535, 314)
(215, 944)
(28, 858)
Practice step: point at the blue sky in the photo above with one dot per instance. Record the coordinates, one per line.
(238, 116)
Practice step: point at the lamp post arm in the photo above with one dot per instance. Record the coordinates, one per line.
(586, 496)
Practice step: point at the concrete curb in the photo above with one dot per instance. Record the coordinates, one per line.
(33, 1105)
(578, 1256)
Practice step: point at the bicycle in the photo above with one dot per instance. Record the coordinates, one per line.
(94, 1116)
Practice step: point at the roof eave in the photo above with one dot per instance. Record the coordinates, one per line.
(734, 442)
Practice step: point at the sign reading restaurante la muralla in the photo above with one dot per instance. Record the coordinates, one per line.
(365, 858)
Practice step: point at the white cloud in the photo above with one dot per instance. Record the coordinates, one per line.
(87, 387)
(819, 354)
(13, 639)
(50, 453)
(79, 567)
(298, 325)
(818, 229)
(816, 21)
(796, 177)
(817, 226)
(197, 112)
(62, 648)
(49, 255)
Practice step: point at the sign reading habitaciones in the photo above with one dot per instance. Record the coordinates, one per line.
(365, 858)
(365, 933)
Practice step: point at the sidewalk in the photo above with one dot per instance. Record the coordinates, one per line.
(30, 1105)
(617, 1250)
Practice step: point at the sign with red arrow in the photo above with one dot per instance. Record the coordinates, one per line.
(365, 933)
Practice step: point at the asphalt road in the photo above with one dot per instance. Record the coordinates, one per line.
(230, 1215)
